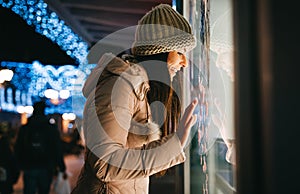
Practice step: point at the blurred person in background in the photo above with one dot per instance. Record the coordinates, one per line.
(9, 169)
(39, 152)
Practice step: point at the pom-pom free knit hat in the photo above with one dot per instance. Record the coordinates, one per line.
(162, 30)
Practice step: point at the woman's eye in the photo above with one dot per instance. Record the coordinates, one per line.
(179, 53)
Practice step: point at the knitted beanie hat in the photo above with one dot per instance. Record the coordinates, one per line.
(162, 30)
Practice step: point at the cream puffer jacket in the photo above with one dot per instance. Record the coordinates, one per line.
(124, 147)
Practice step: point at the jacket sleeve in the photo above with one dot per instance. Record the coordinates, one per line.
(108, 115)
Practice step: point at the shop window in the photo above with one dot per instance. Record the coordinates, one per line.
(210, 167)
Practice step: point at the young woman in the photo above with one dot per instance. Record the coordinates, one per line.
(131, 116)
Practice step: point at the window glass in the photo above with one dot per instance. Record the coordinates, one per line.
(211, 165)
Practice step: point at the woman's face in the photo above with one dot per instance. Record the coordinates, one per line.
(175, 61)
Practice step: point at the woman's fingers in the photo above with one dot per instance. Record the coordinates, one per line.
(189, 110)
(187, 129)
(192, 121)
(187, 121)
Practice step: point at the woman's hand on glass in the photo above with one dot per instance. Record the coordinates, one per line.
(187, 121)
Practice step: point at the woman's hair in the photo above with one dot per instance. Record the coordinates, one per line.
(159, 32)
(162, 90)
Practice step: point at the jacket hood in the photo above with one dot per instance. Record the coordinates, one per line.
(133, 73)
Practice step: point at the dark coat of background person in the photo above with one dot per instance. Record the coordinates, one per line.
(9, 170)
(39, 148)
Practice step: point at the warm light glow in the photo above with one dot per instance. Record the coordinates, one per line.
(69, 116)
(25, 109)
(6, 75)
(28, 109)
(50, 93)
(21, 109)
(24, 118)
(64, 126)
(55, 101)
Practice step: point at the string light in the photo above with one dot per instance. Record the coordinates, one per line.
(34, 81)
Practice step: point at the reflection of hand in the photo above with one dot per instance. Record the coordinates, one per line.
(219, 120)
(186, 122)
(220, 124)
(217, 104)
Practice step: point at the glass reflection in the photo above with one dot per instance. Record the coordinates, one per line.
(212, 149)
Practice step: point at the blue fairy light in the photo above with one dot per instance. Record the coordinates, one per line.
(32, 80)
